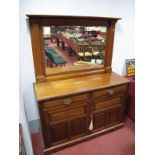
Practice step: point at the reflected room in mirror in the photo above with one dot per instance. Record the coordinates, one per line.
(68, 46)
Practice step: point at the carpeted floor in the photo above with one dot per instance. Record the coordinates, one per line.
(118, 142)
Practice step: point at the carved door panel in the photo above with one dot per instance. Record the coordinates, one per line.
(68, 130)
(99, 120)
(59, 132)
(114, 115)
(78, 126)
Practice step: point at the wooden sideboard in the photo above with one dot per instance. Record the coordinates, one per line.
(77, 109)
(76, 103)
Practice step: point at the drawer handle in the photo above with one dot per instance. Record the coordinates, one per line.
(110, 92)
(67, 101)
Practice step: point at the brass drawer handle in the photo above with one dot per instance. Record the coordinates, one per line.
(67, 101)
(110, 92)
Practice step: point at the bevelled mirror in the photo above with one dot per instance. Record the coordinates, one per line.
(73, 47)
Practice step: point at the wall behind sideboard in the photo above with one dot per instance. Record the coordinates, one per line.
(123, 45)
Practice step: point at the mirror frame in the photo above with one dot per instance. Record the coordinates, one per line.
(36, 23)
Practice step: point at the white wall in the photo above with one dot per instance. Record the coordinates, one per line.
(25, 128)
(124, 35)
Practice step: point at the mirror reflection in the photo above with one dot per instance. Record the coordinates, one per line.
(67, 46)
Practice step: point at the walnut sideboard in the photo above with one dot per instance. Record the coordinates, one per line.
(77, 109)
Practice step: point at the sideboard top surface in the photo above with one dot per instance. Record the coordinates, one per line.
(59, 88)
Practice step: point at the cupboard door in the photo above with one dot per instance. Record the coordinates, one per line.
(63, 124)
(114, 115)
(59, 132)
(99, 120)
(65, 131)
(78, 127)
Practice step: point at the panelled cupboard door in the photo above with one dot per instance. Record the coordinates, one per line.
(114, 115)
(107, 117)
(108, 111)
(78, 126)
(64, 131)
(99, 120)
(59, 132)
(64, 123)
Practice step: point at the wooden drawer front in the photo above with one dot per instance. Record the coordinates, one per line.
(107, 103)
(110, 91)
(67, 114)
(71, 100)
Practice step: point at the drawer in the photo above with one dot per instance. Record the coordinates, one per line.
(108, 103)
(111, 91)
(67, 114)
(70, 100)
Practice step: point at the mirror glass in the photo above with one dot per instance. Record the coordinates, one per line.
(72, 47)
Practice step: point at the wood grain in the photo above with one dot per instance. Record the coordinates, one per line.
(49, 90)
(71, 98)
(89, 104)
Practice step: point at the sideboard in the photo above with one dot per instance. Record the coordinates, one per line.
(79, 102)
(77, 109)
